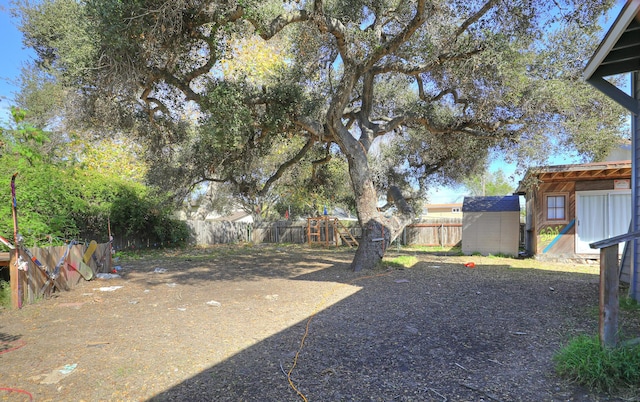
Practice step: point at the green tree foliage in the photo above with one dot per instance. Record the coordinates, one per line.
(439, 83)
(489, 183)
(308, 188)
(60, 199)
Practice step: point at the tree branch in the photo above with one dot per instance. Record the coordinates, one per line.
(295, 159)
(338, 30)
(415, 69)
(474, 18)
(279, 23)
(394, 43)
(313, 127)
(382, 129)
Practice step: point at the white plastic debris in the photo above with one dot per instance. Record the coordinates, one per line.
(109, 288)
(159, 270)
(214, 303)
(107, 276)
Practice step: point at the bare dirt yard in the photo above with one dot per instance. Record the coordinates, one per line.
(288, 323)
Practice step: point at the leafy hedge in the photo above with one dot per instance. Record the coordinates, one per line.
(58, 199)
(64, 202)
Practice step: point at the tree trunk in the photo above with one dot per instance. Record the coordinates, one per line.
(378, 230)
(372, 246)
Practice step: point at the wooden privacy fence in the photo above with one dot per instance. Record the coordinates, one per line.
(221, 232)
(446, 232)
(32, 283)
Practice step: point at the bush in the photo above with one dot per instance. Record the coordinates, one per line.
(5, 294)
(60, 197)
(613, 370)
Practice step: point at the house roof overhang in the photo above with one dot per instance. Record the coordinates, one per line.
(585, 171)
(619, 52)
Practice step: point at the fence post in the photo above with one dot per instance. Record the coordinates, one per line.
(609, 282)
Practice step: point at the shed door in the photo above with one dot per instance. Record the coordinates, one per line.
(601, 215)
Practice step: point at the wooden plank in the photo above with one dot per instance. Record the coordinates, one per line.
(435, 225)
(608, 323)
(344, 233)
(615, 240)
(14, 280)
(625, 264)
(592, 185)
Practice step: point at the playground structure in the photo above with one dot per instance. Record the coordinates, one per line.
(328, 231)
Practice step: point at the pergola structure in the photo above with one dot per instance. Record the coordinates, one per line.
(608, 170)
(619, 53)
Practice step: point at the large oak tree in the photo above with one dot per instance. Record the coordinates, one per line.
(436, 84)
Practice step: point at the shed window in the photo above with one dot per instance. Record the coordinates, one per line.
(555, 207)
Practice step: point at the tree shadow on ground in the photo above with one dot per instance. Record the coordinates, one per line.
(438, 331)
(9, 342)
(251, 264)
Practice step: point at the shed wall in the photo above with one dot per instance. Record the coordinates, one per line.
(557, 239)
(491, 233)
(554, 239)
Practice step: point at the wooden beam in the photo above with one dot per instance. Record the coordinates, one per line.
(14, 280)
(616, 94)
(609, 283)
(615, 240)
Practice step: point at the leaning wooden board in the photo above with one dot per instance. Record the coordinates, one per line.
(79, 265)
(90, 250)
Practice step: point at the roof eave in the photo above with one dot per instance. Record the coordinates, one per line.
(628, 13)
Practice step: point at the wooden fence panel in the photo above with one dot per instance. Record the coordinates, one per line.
(68, 278)
(447, 232)
(219, 232)
(205, 232)
(288, 232)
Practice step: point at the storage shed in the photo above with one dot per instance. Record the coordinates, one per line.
(491, 225)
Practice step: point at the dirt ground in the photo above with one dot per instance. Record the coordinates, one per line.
(267, 323)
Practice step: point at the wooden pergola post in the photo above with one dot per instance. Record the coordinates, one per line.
(609, 303)
(14, 280)
(17, 288)
(609, 284)
(326, 230)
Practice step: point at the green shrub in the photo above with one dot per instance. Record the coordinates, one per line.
(628, 304)
(5, 294)
(612, 370)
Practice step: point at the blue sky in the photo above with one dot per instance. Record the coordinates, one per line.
(14, 56)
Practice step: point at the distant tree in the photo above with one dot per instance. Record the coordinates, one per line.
(489, 183)
(440, 82)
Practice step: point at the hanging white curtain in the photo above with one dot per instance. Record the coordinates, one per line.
(592, 217)
(620, 211)
(601, 216)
